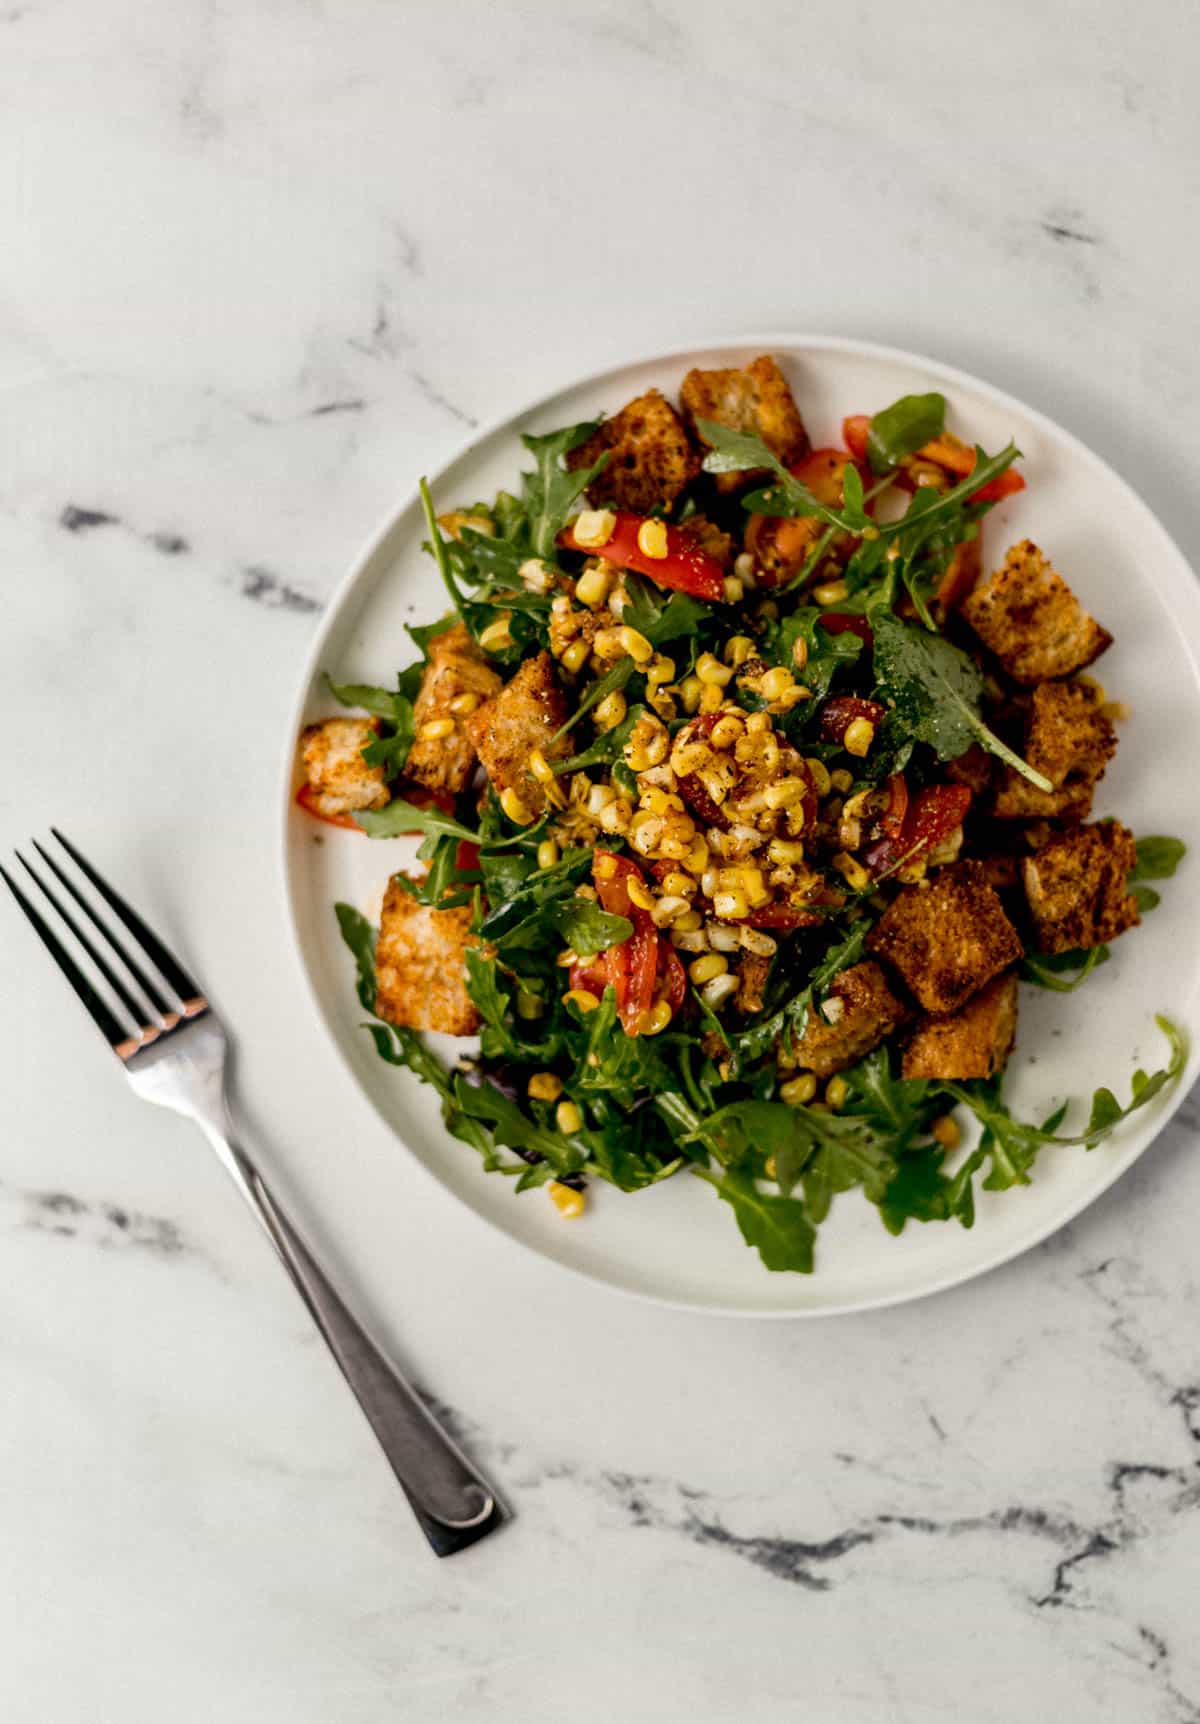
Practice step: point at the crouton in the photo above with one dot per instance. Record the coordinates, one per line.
(860, 1011)
(420, 977)
(456, 668)
(947, 939)
(757, 400)
(339, 778)
(1027, 615)
(524, 716)
(1070, 740)
(972, 1043)
(650, 459)
(752, 972)
(1077, 887)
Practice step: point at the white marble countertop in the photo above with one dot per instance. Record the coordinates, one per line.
(261, 265)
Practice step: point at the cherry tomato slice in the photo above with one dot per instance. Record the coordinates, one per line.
(843, 623)
(838, 714)
(932, 814)
(686, 568)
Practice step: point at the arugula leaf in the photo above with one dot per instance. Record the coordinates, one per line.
(777, 1227)
(612, 679)
(1145, 897)
(400, 817)
(787, 1023)
(359, 935)
(551, 492)
(1157, 858)
(623, 1161)
(903, 428)
(827, 652)
(936, 690)
(379, 702)
(587, 928)
(394, 707)
(619, 1067)
(659, 617)
(510, 1126)
(1062, 972)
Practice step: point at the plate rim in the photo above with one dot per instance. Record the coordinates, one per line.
(1188, 593)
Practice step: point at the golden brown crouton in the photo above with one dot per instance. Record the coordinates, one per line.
(947, 939)
(752, 972)
(456, 668)
(339, 779)
(756, 399)
(972, 1043)
(650, 457)
(1077, 887)
(860, 1011)
(523, 716)
(1029, 617)
(1070, 740)
(420, 977)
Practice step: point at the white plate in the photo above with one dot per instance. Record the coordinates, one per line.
(677, 1242)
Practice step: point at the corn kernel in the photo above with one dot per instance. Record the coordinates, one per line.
(615, 816)
(497, 637)
(575, 656)
(678, 885)
(696, 860)
(647, 746)
(593, 528)
(782, 851)
(689, 939)
(800, 652)
(569, 1202)
(435, 728)
(716, 993)
(515, 807)
(734, 589)
(640, 894)
(536, 576)
(690, 690)
(544, 1086)
(732, 906)
(738, 649)
(799, 1091)
(705, 968)
(528, 1005)
(599, 796)
(836, 1091)
(583, 998)
(755, 941)
(547, 853)
(776, 683)
(712, 697)
(567, 1117)
(593, 586)
(669, 909)
(759, 724)
(722, 937)
(785, 792)
(840, 780)
(852, 871)
(792, 697)
(711, 670)
(743, 566)
(832, 593)
(688, 921)
(540, 766)
(660, 669)
(611, 711)
(636, 645)
(945, 1129)
(655, 1021)
(652, 540)
(860, 734)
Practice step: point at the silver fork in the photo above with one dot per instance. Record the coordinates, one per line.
(173, 1051)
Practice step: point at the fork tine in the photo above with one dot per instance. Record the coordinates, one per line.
(153, 993)
(112, 1031)
(135, 1007)
(192, 997)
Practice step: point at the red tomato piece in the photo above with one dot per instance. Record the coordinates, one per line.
(892, 819)
(672, 972)
(855, 432)
(686, 567)
(931, 815)
(843, 623)
(838, 714)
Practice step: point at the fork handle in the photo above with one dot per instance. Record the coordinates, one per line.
(454, 1505)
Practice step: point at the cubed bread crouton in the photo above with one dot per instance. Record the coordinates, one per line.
(947, 939)
(456, 668)
(972, 1043)
(420, 977)
(860, 1011)
(339, 779)
(752, 973)
(1077, 887)
(650, 457)
(523, 716)
(757, 400)
(1070, 740)
(1027, 615)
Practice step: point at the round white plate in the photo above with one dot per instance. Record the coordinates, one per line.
(677, 1242)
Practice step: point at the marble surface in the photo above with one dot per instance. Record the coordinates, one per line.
(262, 264)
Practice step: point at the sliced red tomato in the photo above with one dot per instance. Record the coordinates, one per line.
(466, 859)
(959, 458)
(855, 431)
(306, 797)
(838, 714)
(931, 815)
(1007, 484)
(783, 918)
(674, 976)
(822, 470)
(843, 623)
(634, 966)
(686, 568)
